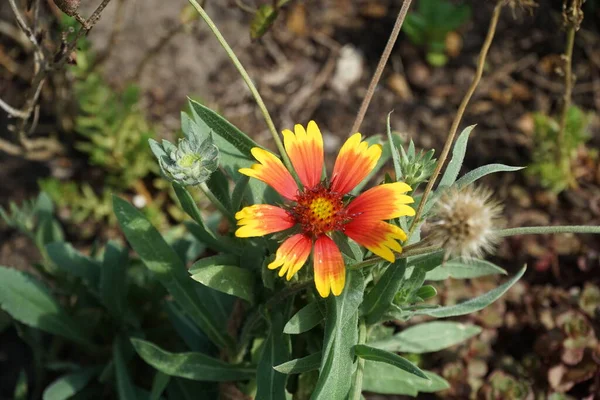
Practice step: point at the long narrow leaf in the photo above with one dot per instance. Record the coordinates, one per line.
(305, 319)
(300, 365)
(475, 304)
(458, 155)
(374, 354)
(378, 300)
(162, 260)
(482, 171)
(276, 348)
(196, 366)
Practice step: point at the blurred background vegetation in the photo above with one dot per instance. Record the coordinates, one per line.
(130, 77)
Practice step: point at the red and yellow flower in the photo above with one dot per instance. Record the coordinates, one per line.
(318, 208)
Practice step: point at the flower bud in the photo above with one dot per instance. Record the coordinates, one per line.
(416, 167)
(191, 162)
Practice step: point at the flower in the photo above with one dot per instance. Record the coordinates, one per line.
(191, 162)
(319, 207)
(464, 222)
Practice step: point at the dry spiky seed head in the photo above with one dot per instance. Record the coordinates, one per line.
(464, 222)
(69, 7)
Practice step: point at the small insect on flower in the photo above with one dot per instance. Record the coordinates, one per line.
(319, 208)
(464, 222)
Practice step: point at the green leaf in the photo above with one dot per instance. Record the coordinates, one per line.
(275, 349)
(378, 300)
(458, 155)
(305, 319)
(125, 387)
(168, 268)
(228, 279)
(375, 354)
(68, 385)
(224, 128)
(30, 302)
(238, 193)
(300, 365)
(21, 388)
(262, 21)
(218, 183)
(393, 150)
(427, 262)
(73, 262)
(463, 269)
(341, 334)
(474, 304)
(159, 384)
(426, 292)
(482, 171)
(380, 378)
(112, 278)
(196, 366)
(428, 337)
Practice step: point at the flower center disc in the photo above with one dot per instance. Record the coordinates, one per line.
(319, 211)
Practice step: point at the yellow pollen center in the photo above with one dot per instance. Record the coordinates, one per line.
(322, 210)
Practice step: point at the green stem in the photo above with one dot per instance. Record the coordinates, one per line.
(408, 252)
(356, 389)
(544, 230)
(247, 79)
(217, 203)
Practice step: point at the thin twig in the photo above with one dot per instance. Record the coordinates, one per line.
(572, 21)
(242, 71)
(380, 67)
(459, 114)
(27, 30)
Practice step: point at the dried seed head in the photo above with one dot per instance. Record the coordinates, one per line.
(464, 221)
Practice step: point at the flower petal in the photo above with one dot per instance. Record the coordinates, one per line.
(378, 236)
(271, 171)
(292, 255)
(386, 201)
(354, 162)
(305, 148)
(262, 219)
(330, 272)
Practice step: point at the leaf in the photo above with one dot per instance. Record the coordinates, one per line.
(218, 183)
(341, 334)
(73, 262)
(305, 319)
(474, 304)
(463, 269)
(224, 128)
(159, 384)
(196, 366)
(378, 300)
(393, 151)
(168, 268)
(300, 365)
(30, 302)
(262, 21)
(21, 387)
(276, 348)
(375, 354)
(228, 279)
(482, 171)
(112, 278)
(238, 192)
(458, 155)
(68, 385)
(428, 337)
(427, 262)
(193, 337)
(125, 387)
(380, 378)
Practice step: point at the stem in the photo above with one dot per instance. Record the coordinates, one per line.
(543, 230)
(571, 19)
(247, 79)
(217, 203)
(356, 389)
(409, 252)
(459, 114)
(380, 66)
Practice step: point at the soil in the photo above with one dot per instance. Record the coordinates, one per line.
(316, 63)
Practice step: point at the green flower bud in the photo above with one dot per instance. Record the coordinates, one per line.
(416, 167)
(191, 162)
